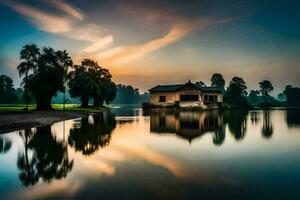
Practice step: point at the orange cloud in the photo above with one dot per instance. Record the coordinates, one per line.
(123, 54)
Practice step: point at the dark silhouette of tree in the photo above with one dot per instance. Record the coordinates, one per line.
(7, 90)
(292, 95)
(65, 60)
(253, 97)
(267, 129)
(218, 81)
(5, 144)
(27, 164)
(265, 87)
(237, 123)
(236, 92)
(90, 136)
(29, 55)
(127, 94)
(89, 80)
(49, 69)
(200, 83)
(52, 161)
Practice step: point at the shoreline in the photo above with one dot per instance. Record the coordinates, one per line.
(10, 122)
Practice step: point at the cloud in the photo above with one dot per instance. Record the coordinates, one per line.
(67, 8)
(123, 54)
(44, 21)
(77, 28)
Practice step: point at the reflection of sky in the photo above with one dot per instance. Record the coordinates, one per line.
(137, 158)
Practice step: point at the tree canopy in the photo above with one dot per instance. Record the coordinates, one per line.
(89, 80)
(218, 81)
(265, 87)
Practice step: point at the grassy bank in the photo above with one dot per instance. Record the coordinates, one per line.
(59, 107)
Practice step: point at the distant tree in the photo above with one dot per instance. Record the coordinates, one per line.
(200, 83)
(292, 95)
(127, 94)
(265, 87)
(29, 55)
(253, 97)
(236, 93)
(218, 81)
(281, 97)
(7, 90)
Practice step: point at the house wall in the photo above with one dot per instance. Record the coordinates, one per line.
(173, 97)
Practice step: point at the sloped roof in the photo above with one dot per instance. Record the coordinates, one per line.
(166, 88)
(175, 87)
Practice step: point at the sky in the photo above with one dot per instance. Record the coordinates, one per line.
(149, 42)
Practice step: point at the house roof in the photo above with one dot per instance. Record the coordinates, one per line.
(175, 87)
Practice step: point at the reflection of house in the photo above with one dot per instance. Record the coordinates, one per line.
(186, 95)
(187, 125)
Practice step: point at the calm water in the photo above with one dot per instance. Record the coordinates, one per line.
(158, 155)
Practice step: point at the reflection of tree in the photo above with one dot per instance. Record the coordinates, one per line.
(5, 145)
(51, 159)
(267, 129)
(90, 136)
(292, 118)
(27, 164)
(219, 136)
(254, 117)
(237, 123)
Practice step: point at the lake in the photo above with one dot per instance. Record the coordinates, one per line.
(131, 154)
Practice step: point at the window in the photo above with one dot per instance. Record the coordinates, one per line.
(189, 97)
(162, 98)
(210, 98)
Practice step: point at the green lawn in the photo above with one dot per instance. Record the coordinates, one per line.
(69, 107)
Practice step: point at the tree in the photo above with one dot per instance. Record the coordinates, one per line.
(7, 90)
(253, 96)
(292, 95)
(265, 87)
(89, 80)
(236, 92)
(29, 55)
(200, 83)
(218, 81)
(67, 63)
(47, 79)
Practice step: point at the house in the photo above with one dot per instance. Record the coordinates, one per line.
(188, 95)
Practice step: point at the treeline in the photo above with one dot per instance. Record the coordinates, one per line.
(126, 94)
(49, 75)
(46, 72)
(236, 95)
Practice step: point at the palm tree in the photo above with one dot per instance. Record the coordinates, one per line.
(29, 54)
(66, 61)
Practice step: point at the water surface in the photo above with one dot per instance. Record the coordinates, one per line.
(128, 154)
